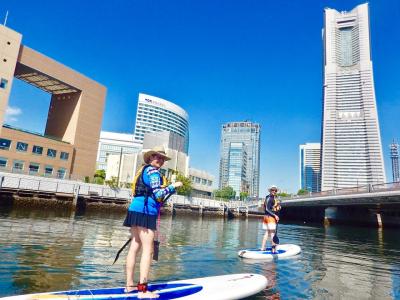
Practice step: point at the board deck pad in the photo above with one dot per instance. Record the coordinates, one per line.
(235, 286)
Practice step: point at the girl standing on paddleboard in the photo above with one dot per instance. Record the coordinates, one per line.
(271, 218)
(149, 189)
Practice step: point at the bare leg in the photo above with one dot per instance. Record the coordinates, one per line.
(264, 241)
(146, 237)
(131, 259)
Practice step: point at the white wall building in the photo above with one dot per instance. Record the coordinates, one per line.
(351, 141)
(111, 143)
(202, 182)
(310, 167)
(155, 114)
(126, 166)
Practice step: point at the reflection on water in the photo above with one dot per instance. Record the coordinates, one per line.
(57, 250)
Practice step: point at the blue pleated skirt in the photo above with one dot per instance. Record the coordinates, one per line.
(134, 218)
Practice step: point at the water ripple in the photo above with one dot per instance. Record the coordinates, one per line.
(47, 251)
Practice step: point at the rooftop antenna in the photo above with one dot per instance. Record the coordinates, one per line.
(5, 19)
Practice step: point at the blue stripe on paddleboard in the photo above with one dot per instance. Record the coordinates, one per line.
(269, 251)
(182, 290)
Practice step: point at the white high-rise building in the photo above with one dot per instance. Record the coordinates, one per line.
(351, 141)
(310, 167)
(155, 114)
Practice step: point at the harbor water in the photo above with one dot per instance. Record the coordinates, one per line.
(49, 250)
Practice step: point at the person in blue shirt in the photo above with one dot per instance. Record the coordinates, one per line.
(149, 192)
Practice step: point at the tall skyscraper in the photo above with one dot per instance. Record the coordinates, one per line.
(394, 156)
(310, 167)
(155, 114)
(240, 157)
(237, 168)
(351, 141)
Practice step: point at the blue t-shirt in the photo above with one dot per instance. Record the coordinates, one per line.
(151, 178)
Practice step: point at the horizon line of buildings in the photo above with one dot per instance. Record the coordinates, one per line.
(349, 154)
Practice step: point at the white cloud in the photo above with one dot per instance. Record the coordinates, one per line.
(12, 113)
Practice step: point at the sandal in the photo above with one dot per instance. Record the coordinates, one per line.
(144, 293)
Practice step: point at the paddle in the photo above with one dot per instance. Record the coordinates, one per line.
(275, 239)
(122, 248)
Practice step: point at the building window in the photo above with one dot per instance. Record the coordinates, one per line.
(3, 83)
(51, 153)
(3, 162)
(37, 150)
(33, 168)
(64, 155)
(5, 144)
(48, 170)
(23, 147)
(18, 166)
(61, 173)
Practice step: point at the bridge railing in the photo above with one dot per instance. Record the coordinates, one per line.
(368, 188)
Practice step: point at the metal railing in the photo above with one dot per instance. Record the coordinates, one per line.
(50, 185)
(362, 189)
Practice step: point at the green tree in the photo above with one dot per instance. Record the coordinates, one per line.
(243, 195)
(302, 192)
(186, 188)
(99, 176)
(225, 193)
(283, 194)
(112, 183)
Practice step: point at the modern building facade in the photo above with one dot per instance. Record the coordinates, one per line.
(113, 143)
(351, 141)
(240, 157)
(167, 139)
(202, 182)
(155, 114)
(394, 156)
(68, 147)
(237, 165)
(310, 167)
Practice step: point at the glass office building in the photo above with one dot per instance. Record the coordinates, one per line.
(310, 167)
(237, 168)
(240, 157)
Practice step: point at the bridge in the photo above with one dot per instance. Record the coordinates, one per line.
(372, 204)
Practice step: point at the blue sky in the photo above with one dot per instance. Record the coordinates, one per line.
(219, 60)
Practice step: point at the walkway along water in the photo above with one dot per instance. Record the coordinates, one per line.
(372, 205)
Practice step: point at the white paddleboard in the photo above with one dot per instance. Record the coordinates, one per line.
(282, 251)
(235, 286)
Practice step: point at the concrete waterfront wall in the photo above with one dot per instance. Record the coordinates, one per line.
(385, 216)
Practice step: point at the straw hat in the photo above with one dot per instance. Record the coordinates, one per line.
(159, 150)
(273, 187)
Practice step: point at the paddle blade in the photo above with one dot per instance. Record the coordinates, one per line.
(156, 250)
